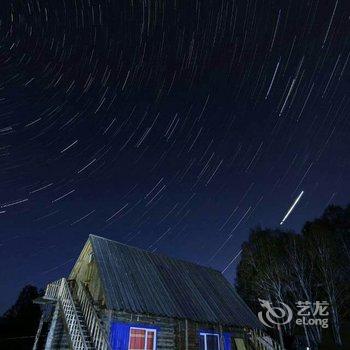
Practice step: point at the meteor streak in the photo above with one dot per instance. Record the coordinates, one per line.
(292, 207)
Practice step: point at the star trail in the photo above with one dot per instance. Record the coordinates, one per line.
(174, 126)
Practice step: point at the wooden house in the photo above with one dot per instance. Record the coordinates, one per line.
(124, 298)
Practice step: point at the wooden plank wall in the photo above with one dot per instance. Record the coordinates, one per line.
(194, 328)
(85, 270)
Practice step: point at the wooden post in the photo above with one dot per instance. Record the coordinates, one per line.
(222, 346)
(186, 334)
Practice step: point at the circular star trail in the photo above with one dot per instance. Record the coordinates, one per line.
(174, 126)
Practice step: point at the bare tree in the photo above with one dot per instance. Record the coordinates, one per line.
(329, 271)
(302, 267)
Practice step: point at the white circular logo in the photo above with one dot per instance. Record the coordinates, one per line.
(274, 315)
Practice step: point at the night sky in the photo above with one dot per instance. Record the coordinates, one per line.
(174, 126)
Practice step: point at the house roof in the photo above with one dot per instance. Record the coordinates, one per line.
(139, 281)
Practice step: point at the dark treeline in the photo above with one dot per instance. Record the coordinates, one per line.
(281, 266)
(19, 324)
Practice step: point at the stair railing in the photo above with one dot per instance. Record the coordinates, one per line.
(260, 343)
(38, 333)
(97, 332)
(75, 330)
(52, 290)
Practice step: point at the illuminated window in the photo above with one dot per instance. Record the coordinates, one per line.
(209, 341)
(142, 339)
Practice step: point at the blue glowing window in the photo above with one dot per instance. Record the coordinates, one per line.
(209, 341)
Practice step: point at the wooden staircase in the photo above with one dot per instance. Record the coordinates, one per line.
(74, 323)
(84, 328)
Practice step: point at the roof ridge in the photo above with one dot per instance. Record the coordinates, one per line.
(157, 254)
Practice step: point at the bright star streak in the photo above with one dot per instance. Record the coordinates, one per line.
(292, 207)
(231, 262)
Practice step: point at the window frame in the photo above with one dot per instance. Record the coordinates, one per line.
(146, 332)
(205, 339)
